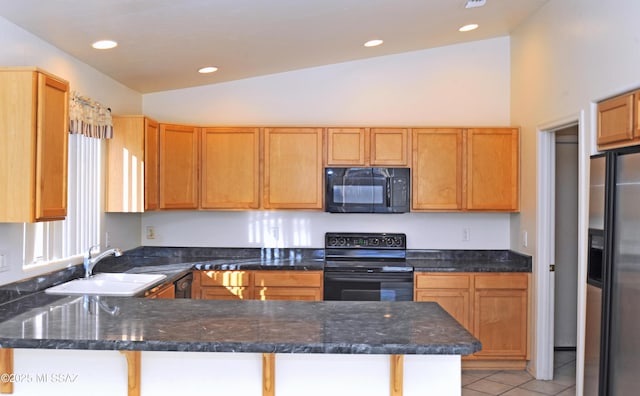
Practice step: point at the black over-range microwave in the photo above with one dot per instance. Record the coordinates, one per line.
(367, 190)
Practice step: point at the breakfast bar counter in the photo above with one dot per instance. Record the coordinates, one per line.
(283, 345)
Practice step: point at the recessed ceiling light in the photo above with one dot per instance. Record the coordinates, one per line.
(208, 69)
(469, 27)
(373, 43)
(104, 44)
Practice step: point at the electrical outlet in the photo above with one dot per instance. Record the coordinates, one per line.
(525, 238)
(4, 266)
(466, 234)
(151, 232)
(275, 233)
(107, 239)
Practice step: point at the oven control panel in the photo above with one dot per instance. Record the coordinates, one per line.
(365, 240)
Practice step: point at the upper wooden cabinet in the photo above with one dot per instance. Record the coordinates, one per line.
(437, 170)
(347, 146)
(618, 121)
(132, 165)
(34, 129)
(465, 169)
(367, 147)
(151, 165)
(492, 169)
(293, 168)
(389, 147)
(230, 161)
(179, 163)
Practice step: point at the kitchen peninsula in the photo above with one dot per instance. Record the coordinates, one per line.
(287, 347)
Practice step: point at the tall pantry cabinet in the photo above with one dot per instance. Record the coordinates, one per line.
(34, 125)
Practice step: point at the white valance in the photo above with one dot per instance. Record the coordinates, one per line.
(89, 118)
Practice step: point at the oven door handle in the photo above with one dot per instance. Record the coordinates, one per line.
(369, 278)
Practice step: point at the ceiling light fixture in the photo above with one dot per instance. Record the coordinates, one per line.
(469, 27)
(104, 44)
(373, 43)
(475, 3)
(208, 69)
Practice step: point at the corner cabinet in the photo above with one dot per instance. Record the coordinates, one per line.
(293, 168)
(132, 165)
(34, 118)
(230, 161)
(493, 168)
(492, 306)
(179, 166)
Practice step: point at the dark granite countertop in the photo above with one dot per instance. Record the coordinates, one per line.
(111, 323)
(175, 261)
(468, 261)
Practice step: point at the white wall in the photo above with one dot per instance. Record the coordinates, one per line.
(460, 85)
(306, 229)
(466, 84)
(21, 48)
(570, 54)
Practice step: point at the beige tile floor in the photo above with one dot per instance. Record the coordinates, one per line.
(521, 383)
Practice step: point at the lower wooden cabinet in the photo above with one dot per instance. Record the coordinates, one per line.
(258, 285)
(222, 285)
(288, 285)
(452, 292)
(166, 292)
(492, 306)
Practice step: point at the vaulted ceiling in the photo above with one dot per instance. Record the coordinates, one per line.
(163, 43)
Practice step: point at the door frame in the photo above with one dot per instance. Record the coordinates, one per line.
(543, 278)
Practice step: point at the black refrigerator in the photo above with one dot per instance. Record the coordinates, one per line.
(619, 371)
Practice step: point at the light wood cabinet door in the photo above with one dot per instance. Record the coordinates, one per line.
(492, 169)
(500, 315)
(230, 168)
(451, 291)
(52, 148)
(616, 121)
(34, 120)
(128, 165)
(293, 168)
(179, 161)
(166, 292)
(437, 170)
(347, 146)
(223, 285)
(151, 165)
(389, 147)
(288, 293)
(288, 285)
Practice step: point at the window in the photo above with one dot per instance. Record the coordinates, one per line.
(63, 241)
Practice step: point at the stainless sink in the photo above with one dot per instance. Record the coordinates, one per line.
(108, 284)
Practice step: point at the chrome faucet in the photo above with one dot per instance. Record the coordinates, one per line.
(89, 262)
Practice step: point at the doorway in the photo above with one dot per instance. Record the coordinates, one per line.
(566, 239)
(548, 215)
